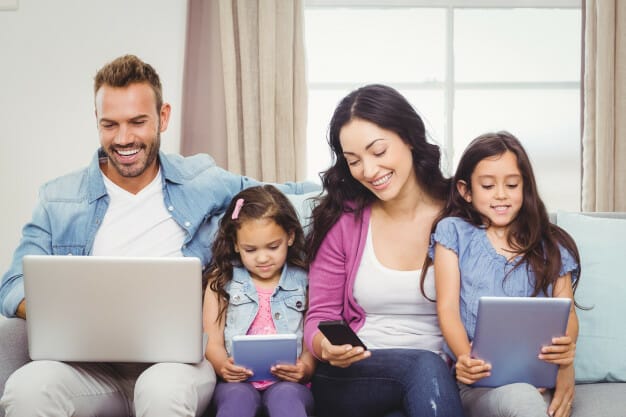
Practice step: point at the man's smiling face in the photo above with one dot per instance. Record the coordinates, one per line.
(130, 129)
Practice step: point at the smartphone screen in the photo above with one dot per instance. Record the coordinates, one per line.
(339, 333)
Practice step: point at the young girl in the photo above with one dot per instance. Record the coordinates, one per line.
(495, 239)
(257, 284)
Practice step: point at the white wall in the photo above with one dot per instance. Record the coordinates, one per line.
(49, 53)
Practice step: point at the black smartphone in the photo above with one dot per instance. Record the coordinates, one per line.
(339, 333)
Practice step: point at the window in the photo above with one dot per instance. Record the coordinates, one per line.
(468, 67)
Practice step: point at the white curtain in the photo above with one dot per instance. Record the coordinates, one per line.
(604, 117)
(262, 43)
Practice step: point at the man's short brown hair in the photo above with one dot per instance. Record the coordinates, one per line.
(127, 70)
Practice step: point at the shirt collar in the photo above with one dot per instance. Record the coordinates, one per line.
(95, 182)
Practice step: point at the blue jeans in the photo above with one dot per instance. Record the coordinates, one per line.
(281, 399)
(407, 382)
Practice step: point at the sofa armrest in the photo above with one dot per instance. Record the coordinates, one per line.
(13, 348)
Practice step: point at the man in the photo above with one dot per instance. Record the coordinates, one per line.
(131, 200)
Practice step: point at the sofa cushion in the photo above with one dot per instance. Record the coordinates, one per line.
(304, 203)
(602, 337)
(599, 400)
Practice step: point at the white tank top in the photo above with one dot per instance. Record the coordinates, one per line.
(396, 313)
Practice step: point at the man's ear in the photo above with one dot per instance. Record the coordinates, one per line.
(164, 116)
(461, 187)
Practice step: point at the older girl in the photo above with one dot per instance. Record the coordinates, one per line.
(496, 240)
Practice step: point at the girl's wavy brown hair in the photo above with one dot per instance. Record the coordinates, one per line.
(260, 202)
(531, 235)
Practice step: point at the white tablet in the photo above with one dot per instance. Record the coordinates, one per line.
(510, 332)
(260, 352)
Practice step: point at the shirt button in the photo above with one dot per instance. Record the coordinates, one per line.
(187, 224)
(299, 304)
(171, 208)
(277, 316)
(236, 298)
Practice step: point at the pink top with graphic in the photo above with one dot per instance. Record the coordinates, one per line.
(263, 324)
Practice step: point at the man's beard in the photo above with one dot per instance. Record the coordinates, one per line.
(138, 168)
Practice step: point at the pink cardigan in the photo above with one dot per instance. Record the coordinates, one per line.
(332, 275)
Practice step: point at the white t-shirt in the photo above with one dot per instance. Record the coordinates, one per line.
(138, 224)
(396, 313)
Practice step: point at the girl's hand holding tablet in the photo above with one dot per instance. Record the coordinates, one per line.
(470, 370)
(560, 352)
(233, 373)
(301, 372)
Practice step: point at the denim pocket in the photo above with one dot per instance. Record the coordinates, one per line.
(296, 302)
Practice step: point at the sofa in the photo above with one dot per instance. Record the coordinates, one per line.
(600, 362)
(600, 357)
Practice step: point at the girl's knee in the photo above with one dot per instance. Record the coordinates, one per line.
(236, 390)
(518, 400)
(521, 393)
(236, 398)
(288, 399)
(288, 389)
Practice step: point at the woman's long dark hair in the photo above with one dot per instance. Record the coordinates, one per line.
(531, 234)
(260, 202)
(388, 109)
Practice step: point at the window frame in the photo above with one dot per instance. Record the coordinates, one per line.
(450, 85)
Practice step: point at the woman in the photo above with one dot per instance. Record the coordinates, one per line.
(368, 245)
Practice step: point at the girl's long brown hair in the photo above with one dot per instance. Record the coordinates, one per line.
(531, 235)
(260, 202)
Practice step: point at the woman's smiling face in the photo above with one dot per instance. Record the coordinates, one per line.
(378, 158)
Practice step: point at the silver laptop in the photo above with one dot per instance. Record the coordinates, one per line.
(510, 332)
(113, 309)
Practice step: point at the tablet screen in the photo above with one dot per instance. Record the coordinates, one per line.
(510, 332)
(260, 352)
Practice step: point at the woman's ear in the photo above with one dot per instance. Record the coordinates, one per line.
(292, 237)
(462, 188)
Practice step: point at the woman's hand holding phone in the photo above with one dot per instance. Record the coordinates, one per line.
(344, 355)
(340, 345)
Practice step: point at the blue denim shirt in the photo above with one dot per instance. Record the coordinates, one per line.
(288, 304)
(485, 272)
(71, 208)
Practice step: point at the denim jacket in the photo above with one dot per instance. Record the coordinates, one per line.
(288, 304)
(71, 208)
